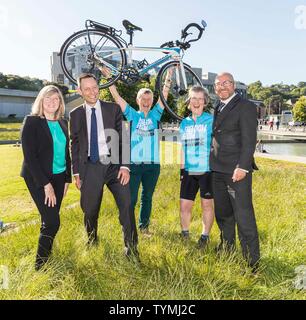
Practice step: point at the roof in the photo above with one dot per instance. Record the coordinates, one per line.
(18, 93)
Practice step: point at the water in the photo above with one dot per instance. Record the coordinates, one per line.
(291, 149)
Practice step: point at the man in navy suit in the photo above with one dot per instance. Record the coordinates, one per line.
(97, 160)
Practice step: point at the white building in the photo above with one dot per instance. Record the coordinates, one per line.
(17, 103)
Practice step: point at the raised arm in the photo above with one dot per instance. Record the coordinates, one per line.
(166, 87)
(118, 99)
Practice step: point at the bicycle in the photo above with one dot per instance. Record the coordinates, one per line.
(101, 45)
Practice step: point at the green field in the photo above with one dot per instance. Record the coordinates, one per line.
(170, 269)
(10, 131)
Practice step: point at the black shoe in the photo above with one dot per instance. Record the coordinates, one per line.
(92, 242)
(255, 269)
(223, 248)
(185, 235)
(203, 241)
(132, 254)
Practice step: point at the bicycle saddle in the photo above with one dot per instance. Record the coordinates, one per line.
(130, 27)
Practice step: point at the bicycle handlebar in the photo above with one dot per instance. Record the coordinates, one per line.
(186, 44)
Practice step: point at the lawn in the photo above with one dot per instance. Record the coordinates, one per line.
(10, 131)
(170, 269)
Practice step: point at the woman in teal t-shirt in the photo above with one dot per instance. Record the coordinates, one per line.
(145, 166)
(195, 135)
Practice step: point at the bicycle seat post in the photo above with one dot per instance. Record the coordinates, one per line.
(131, 34)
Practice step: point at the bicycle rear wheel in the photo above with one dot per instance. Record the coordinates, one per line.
(178, 93)
(77, 56)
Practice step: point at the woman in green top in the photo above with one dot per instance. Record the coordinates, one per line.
(145, 164)
(46, 167)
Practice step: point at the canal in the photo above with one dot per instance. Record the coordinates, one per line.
(293, 148)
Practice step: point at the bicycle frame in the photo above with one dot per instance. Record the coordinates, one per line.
(171, 54)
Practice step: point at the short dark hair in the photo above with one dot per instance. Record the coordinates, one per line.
(85, 76)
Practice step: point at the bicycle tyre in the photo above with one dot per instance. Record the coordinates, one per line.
(74, 50)
(177, 95)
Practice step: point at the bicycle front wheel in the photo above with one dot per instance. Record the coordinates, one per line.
(175, 103)
(78, 51)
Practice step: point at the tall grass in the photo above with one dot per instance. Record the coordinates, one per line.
(170, 269)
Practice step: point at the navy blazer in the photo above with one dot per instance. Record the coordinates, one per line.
(112, 119)
(37, 146)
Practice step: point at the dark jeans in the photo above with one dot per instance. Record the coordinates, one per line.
(50, 217)
(147, 175)
(233, 205)
(97, 175)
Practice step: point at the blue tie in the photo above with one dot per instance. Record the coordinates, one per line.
(94, 148)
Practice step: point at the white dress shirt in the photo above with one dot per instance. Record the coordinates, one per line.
(227, 100)
(103, 149)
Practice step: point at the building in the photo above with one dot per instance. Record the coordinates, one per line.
(16, 103)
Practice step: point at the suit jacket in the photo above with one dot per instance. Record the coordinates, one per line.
(37, 146)
(112, 119)
(234, 137)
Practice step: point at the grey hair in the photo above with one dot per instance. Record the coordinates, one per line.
(197, 89)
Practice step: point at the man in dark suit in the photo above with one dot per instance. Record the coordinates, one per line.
(232, 163)
(97, 159)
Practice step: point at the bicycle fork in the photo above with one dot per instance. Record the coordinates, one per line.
(182, 90)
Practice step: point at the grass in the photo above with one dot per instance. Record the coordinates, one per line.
(170, 269)
(10, 131)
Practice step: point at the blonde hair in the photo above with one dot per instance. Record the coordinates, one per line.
(38, 109)
(143, 91)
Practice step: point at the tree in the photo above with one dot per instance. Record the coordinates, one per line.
(299, 110)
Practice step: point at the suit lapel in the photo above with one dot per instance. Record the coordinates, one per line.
(104, 115)
(44, 124)
(227, 109)
(64, 127)
(84, 121)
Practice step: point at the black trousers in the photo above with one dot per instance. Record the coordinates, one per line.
(50, 217)
(96, 176)
(233, 205)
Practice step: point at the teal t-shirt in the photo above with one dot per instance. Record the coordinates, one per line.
(144, 141)
(59, 147)
(196, 142)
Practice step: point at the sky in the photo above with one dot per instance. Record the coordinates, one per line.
(254, 40)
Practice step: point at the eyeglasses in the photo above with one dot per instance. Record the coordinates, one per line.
(225, 83)
(197, 99)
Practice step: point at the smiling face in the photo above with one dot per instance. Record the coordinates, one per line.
(89, 90)
(225, 86)
(51, 103)
(196, 102)
(145, 102)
